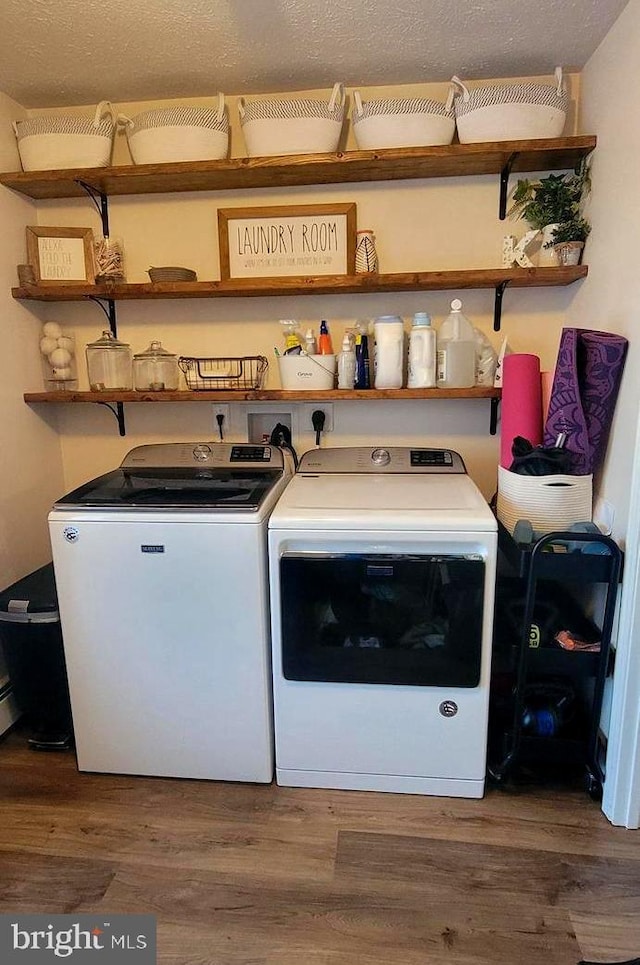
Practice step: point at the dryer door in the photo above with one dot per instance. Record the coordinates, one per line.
(382, 619)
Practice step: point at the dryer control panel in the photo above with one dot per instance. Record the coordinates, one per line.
(382, 459)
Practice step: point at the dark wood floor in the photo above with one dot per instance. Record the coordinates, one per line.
(253, 875)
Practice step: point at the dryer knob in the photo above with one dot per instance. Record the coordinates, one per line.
(380, 457)
(201, 453)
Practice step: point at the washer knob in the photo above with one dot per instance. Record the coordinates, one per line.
(201, 453)
(380, 457)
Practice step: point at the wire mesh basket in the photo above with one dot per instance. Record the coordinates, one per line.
(224, 373)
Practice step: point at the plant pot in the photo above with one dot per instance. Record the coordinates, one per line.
(548, 257)
(569, 252)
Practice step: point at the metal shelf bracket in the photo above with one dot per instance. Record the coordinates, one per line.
(497, 306)
(118, 411)
(108, 306)
(100, 202)
(493, 417)
(504, 184)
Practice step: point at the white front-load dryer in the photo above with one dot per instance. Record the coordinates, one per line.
(382, 572)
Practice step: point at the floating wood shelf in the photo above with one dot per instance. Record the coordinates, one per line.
(316, 285)
(455, 160)
(264, 395)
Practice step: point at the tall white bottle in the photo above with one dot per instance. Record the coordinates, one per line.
(456, 351)
(422, 353)
(389, 351)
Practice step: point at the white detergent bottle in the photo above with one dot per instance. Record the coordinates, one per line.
(422, 353)
(456, 351)
(389, 352)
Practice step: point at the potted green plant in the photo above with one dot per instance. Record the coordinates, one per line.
(568, 238)
(553, 203)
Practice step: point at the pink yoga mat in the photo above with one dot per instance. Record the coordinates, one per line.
(521, 409)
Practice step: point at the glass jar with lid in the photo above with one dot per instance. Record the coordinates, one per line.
(155, 369)
(109, 364)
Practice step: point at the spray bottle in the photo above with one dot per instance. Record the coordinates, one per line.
(347, 364)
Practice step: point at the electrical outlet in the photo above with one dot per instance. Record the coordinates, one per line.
(220, 430)
(222, 410)
(306, 412)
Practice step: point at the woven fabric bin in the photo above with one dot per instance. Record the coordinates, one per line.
(292, 126)
(402, 122)
(57, 141)
(548, 502)
(168, 134)
(510, 112)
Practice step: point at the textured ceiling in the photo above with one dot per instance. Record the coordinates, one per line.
(67, 52)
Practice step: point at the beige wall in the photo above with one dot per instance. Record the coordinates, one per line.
(419, 225)
(31, 464)
(610, 300)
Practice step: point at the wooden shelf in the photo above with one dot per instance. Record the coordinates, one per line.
(316, 285)
(455, 160)
(263, 395)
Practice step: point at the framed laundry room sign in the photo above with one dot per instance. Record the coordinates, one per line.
(61, 256)
(313, 239)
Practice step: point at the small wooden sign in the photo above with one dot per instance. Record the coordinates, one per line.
(61, 256)
(314, 239)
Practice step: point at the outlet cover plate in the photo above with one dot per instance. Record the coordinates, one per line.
(306, 412)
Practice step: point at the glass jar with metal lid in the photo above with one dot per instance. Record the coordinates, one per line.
(155, 369)
(109, 364)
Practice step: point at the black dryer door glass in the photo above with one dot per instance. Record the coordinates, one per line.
(413, 620)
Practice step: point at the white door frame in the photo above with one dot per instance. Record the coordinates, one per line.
(621, 794)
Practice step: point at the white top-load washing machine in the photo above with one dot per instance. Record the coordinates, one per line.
(161, 572)
(382, 572)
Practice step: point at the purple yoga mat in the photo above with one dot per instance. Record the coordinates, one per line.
(584, 393)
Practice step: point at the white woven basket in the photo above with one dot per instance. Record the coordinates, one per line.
(510, 112)
(292, 126)
(56, 141)
(548, 502)
(168, 134)
(402, 122)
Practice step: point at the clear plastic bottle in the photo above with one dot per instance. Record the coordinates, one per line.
(291, 331)
(310, 343)
(456, 351)
(347, 364)
(422, 353)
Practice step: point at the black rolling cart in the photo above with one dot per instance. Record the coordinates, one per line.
(546, 701)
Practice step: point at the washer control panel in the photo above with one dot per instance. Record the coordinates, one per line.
(176, 455)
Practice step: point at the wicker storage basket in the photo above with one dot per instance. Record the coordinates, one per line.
(402, 122)
(209, 374)
(510, 112)
(292, 126)
(548, 502)
(56, 141)
(170, 134)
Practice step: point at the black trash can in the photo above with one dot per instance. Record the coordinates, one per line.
(31, 639)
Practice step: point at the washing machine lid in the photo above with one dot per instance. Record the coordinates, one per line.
(185, 476)
(413, 498)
